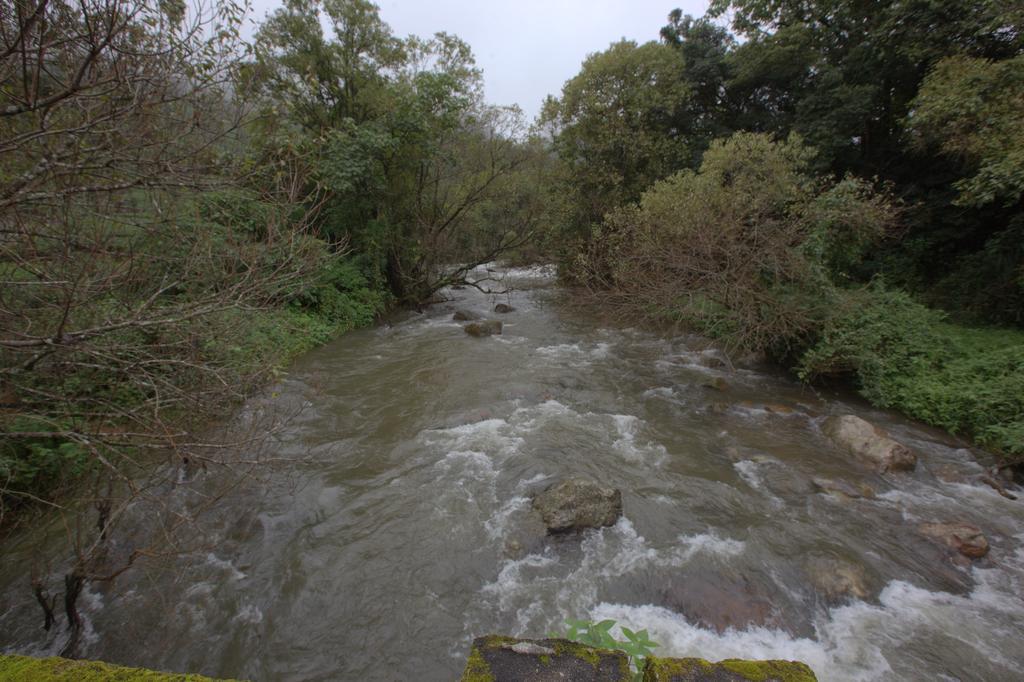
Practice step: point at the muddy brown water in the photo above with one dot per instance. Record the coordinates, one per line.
(407, 529)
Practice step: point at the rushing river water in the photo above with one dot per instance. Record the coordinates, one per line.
(407, 529)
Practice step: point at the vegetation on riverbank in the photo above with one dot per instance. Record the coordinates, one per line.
(836, 185)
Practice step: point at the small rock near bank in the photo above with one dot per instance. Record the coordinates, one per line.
(483, 328)
(576, 503)
(870, 443)
(963, 537)
(503, 308)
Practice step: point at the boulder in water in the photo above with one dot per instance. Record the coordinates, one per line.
(870, 443)
(576, 503)
(503, 308)
(965, 538)
(483, 328)
(463, 315)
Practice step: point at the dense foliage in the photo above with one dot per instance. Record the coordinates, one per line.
(807, 184)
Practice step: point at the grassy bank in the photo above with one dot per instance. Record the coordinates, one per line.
(904, 356)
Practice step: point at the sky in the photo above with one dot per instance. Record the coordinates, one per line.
(528, 48)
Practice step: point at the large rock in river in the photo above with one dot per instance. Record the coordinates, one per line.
(577, 503)
(963, 537)
(870, 443)
(503, 308)
(483, 328)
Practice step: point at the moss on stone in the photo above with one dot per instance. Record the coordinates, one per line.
(687, 669)
(769, 671)
(477, 669)
(26, 669)
(564, 647)
(494, 658)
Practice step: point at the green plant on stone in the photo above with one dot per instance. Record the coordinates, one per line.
(637, 645)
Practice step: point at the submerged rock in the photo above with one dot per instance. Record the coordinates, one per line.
(711, 361)
(463, 315)
(719, 601)
(965, 538)
(715, 383)
(836, 579)
(842, 488)
(730, 670)
(506, 659)
(870, 443)
(483, 328)
(503, 308)
(577, 503)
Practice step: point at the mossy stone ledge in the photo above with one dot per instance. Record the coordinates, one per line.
(730, 670)
(15, 668)
(507, 659)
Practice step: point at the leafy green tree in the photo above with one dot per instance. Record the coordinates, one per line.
(851, 69)
(710, 111)
(615, 127)
(401, 144)
(971, 111)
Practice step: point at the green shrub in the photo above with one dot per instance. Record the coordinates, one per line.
(745, 250)
(903, 355)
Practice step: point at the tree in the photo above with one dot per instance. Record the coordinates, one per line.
(971, 111)
(710, 111)
(405, 146)
(616, 127)
(118, 291)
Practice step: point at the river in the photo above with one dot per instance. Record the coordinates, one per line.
(406, 528)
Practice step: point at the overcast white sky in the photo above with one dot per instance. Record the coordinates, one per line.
(528, 48)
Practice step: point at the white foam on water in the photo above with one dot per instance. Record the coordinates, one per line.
(607, 554)
(627, 426)
(708, 543)
(536, 416)
(548, 271)
(528, 483)
(497, 525)
(749, 472)
(854, 641)
(515, 576)
(574, 354)
(494, 437)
